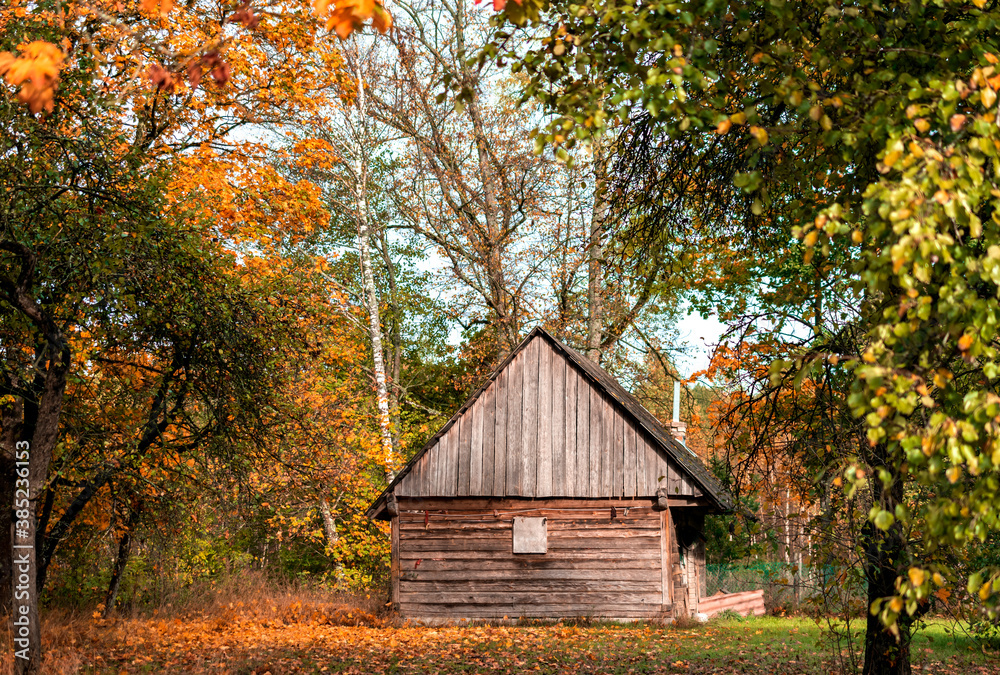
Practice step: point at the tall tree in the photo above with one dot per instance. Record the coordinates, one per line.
(474, 186)
(358, 139)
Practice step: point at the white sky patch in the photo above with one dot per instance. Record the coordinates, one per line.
(701, 336)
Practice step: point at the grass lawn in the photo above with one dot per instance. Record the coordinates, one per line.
(308, 641)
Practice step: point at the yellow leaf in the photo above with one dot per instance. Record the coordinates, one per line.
(896, 605)
(857, 237)
(738, 118)
(892, 157)
(760, 133)
(954, 473)
(921, 124)
(810, 239)
(917, 576)
(985, 591)
(988, 97)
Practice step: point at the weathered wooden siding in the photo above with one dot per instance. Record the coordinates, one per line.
(457, 562)
(540, 429)
(690, 579)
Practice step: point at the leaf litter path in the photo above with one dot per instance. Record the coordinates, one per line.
(249, 646)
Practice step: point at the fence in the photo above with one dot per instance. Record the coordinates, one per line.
(783, 585)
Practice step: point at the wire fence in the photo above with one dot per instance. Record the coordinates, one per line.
(784, 585)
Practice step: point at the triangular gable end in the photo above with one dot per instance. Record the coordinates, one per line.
(551, 423)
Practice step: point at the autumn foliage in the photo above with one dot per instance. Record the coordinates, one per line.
(34, 69)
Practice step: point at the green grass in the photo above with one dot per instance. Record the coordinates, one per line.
(769, 645)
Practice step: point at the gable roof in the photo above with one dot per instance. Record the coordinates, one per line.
(659, 442)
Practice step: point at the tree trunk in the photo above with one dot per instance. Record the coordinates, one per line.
(885, 653)
(31, 429)
(395, 336)
(368, 278)
(124, 553)
(330, 529)
(595, 257)
(329, 524)
(33, 456)
(11, 415)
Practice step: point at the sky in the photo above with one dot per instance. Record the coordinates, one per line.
(701, 335)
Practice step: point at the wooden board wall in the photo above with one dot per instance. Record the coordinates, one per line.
(459, 564)
(541, 430)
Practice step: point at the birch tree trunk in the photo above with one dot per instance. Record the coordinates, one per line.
(395, 336)
(595, 257)
(329, 524)
(360, 170)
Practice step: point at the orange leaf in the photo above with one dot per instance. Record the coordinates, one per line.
(381, 19)
(161, 77)
(36, 71)
(161, 7)
(965, 342)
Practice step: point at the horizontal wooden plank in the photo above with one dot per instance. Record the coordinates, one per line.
(452, 525)
(488, 504)
(592, 545)
(638, 541)
(610, 573)
(557, 521)
(746, 603)
(607, 532)
(526, 584)
(554, 523)
(554, 534)
(411, 610)
(529, 598)
(566, 554)
(491, 565)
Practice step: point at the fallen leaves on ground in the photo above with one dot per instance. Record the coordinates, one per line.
(347, 640)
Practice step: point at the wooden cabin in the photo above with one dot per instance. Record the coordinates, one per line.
(551, 493)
